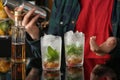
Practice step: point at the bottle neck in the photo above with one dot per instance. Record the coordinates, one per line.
(18, 31)
(18, 20)
(18, 23)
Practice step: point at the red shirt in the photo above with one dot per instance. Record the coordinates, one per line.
(95, 20)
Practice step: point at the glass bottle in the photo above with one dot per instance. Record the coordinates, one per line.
(18, 54)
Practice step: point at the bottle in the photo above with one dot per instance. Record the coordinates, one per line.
(18, 54)
(27, 6)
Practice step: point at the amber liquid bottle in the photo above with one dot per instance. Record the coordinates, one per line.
(18, 54)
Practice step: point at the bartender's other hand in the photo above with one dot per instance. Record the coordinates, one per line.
(105, 47)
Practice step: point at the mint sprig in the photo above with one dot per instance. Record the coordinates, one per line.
(74, 50)
(52, 54)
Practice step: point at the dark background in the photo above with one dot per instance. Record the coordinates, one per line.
(5, 48)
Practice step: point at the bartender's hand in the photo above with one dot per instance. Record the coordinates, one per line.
(105, 47)
(29, 21)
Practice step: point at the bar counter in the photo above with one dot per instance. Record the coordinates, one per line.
(91, 67)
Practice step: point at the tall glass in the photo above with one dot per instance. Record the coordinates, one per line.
(74, 48)
(51, 52)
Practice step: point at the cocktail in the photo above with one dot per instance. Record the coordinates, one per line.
(51, 52)
(74, 48)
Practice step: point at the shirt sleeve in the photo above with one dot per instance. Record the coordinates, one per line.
(35, 46)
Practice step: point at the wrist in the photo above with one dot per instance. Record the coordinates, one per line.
(35, 37)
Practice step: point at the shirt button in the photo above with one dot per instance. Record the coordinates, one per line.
(73, 22)
(61, 22)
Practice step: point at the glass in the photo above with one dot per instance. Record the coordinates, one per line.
(51, 52)
(74, 48)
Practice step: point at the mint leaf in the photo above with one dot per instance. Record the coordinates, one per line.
(74, 50)
(52, 54)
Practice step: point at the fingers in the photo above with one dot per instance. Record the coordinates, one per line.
(44, 24)
(32, 29)
(34, 19)
(9, 13)
(93, 45)
(27, 17)
(19, 8)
